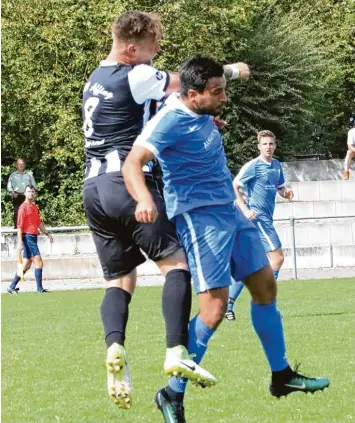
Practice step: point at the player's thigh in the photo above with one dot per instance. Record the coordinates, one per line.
(268, 235)
(176, 260)
(159, 240)
(26, 253)
(248, 255)
(31, 249)
(207, 234)
(118, 254)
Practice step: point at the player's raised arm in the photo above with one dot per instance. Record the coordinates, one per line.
(146, 211)
(232, 71)
(236, 70)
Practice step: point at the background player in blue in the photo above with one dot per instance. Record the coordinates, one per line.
(219, 240)
(117, 101)
(261, 179)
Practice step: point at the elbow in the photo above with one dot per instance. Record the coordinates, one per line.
(126, 166)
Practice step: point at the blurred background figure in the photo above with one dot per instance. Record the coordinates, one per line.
(18, 181)
(350, 155)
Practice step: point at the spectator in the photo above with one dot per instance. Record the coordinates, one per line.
(17, 183)
(27, 232)
(350, 155)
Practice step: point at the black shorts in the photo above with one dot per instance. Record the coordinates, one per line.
(118, 237)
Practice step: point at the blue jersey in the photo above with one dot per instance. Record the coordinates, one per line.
(261, 180)
(190, 152)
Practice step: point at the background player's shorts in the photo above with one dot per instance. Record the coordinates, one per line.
(220, 242)
(268, 234)
(30, 246)
(118, 237)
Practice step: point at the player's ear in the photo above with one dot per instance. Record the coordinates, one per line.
(192, 94)
(131, 49)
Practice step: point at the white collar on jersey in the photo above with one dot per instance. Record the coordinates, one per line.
(174, 99)
(108, 63)
(265, 161)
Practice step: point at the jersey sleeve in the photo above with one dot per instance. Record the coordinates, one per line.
(246, 174)
(351, 137)
(160, 132)
(281, 183)
(10, 187)
(147, 83)
(20, 217)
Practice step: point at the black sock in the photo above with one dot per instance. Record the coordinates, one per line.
(114, 315)
(174, 396)
(177, 306)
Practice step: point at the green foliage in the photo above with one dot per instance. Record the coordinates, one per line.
(301, 56)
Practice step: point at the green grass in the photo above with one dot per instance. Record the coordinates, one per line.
(53, 359)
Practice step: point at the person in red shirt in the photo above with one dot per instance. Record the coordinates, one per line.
(28, 222)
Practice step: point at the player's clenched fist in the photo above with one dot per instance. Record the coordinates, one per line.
(146, 211)
(244, 70)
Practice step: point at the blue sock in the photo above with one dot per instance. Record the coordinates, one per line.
(234, 291)
(15, 281)
(276, 274)
(199, 335)
(38, 276)
(268, 326)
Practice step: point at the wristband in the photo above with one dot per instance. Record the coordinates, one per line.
(235, 72)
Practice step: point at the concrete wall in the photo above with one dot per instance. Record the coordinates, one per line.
(82, 267)
(322, 191)
(316, 170)
(307, 233)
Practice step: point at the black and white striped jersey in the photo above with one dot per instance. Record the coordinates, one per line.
(116, 105)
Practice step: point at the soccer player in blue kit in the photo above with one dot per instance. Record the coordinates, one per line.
(118, 98)
(218, 239)
(261, 179)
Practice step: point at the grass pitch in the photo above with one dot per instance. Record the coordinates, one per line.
(53, 359)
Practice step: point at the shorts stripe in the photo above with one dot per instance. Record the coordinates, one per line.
(191, 228)
(272, 246)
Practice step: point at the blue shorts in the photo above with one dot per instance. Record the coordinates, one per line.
(268, 234)
(220, 243)
(30, 247)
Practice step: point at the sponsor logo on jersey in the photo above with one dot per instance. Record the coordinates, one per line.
(159, 76)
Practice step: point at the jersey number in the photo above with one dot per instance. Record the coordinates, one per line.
(89, 108)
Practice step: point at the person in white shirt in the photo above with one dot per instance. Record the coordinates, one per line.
(350, 155)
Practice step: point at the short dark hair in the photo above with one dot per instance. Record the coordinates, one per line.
(30, 187)
(195, 73)
(134, 25)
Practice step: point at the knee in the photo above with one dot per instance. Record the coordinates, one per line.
(280, 259)
(267, 292)
(276, 259)
(215, 314)
(39, 263)
(26, 267)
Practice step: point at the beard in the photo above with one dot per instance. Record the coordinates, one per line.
(205, 110)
